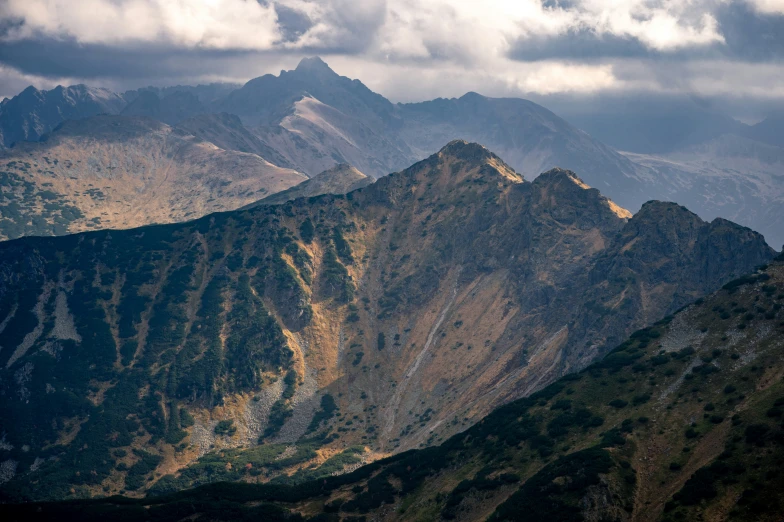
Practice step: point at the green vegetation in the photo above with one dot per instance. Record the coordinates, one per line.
(225, 427)
(27, 210)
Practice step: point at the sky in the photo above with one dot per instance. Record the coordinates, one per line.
(728, 52)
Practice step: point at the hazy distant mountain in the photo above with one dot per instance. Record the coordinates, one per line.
(227, 132)
(529, 137)
(317, 119)
(311, 119)
(730, 176)
(652, 126)
(770, 130)
(121, 172)
(33, 112)
(171, 109)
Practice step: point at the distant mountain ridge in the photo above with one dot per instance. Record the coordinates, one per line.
(310, 119)
(33, 113)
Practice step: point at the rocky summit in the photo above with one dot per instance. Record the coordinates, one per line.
(300, 340)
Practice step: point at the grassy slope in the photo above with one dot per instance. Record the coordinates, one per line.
(681, 422)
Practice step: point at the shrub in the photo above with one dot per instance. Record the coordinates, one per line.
(225, 427)
(618, 403)
(757, 434)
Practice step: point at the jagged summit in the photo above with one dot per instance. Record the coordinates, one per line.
(313, 63)
(558, 174)
(477, 154)
(566, 182)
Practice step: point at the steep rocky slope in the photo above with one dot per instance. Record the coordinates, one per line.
(682, 421)
(340, 179)
(118, 172)
(335, 330)
(227, 132)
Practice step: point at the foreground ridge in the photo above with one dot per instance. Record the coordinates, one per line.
(682, 420)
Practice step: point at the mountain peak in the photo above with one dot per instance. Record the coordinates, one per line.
(313, 64)
(465, 150)
(564, 179)
(557, 174)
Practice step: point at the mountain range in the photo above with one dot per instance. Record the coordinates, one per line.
(292, 296)
(310, 119)
(327, 331)
(682, 421)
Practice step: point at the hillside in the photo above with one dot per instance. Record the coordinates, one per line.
(336, 329)
(682, 421)
(118, 172)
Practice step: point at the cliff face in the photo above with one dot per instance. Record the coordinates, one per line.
(389, 318)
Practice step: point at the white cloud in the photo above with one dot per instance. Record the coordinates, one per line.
(768, 6)
(406, 49)
(212, 24)
(398, 28)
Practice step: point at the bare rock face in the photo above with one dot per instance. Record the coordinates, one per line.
(388, 318)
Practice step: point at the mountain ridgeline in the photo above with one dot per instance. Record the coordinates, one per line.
(333, 330)
(311, 119)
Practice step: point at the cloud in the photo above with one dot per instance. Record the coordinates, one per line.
(408, 49)
(405, 28)
(211, 24)
(768, 6)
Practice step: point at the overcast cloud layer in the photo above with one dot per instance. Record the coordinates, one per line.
(709, 48)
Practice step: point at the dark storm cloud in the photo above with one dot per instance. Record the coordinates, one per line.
(751, 35)
(49, 58)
